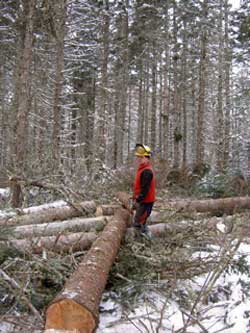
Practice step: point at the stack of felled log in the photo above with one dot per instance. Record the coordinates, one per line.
(101, 228)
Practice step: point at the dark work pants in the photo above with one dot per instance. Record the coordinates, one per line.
(142, 213)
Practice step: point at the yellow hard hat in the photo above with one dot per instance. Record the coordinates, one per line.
(142, 150)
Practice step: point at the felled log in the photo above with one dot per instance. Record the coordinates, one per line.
(124, 199)
(52, 228)
(43, 214)
(76, 307)
(60, 243)
(214, 206)
(106, 210)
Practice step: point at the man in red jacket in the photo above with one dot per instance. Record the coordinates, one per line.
(144, 188)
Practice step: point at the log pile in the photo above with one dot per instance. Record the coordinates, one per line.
(99, 229)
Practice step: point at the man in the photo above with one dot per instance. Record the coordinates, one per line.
(144, 189)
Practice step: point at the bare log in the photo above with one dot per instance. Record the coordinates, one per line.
(43, 214)
(107, 210)
(52, 228)
(214, 206)
(124, 200)
(76, 307)
(61, 243)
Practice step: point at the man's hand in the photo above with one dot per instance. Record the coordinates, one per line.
(135, 205)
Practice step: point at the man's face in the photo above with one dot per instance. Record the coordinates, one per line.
(140, 160)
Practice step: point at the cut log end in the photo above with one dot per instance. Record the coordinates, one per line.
(69, 316)
(61, 331)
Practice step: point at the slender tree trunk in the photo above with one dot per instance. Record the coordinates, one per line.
(202, 89)
(165, 113)
(219, 123)
(23, 98)
(184, 95)
(145, 102)
(176, 113)
(121, 89)
(227, 90)
(140, 113)
(194, 116)
(59, 76)
(103, 110)
(159, 124)
(153, 102)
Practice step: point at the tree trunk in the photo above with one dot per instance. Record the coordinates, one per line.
(57, 102)
(227, 90)
(184, 95)
(23, 98)
(47, 229)
(60, 243)
(83, 241)
(103, 110)
(202, 88)
(77, 306)
(49, 214)
(121, 70)
(166, 89)
(153, 98)
(219, 122)
(213, 206)
(176, 112)
(140, 110)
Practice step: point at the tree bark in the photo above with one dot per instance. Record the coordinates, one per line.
(177, 135)
(103, 110)
(228, 62)
(202, 88)
(215, 206)
(76, 307)
(61, 243)
(23, 97)
(219, 124)
(47, 229)
(50, 214)
(59, 76)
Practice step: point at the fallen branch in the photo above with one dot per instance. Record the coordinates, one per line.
(13, 284)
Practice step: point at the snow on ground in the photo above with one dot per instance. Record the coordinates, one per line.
(4, 192)
(229, 312)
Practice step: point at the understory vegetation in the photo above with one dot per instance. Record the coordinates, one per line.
(191, 248)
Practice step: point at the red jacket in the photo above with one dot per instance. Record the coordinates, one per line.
(150, 195)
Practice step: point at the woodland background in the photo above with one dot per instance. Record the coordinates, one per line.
(81, 82)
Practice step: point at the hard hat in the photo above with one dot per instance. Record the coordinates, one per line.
(142, 150)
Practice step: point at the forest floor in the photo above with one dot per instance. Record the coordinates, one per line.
(196, 278)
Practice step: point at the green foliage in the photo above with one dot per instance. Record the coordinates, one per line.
(7, 252)
(240, 266)
(222, 185)
(39, 279)
(213, 185)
